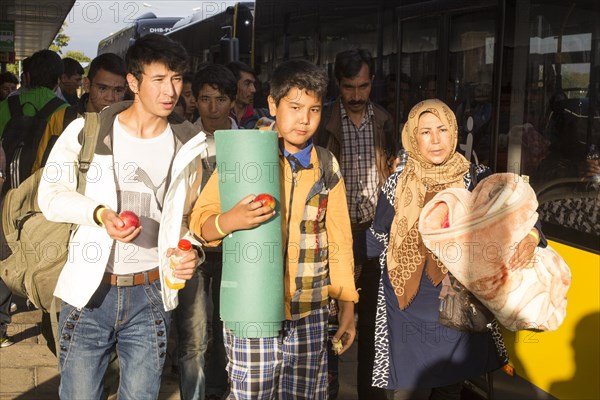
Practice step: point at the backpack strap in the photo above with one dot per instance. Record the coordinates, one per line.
(326, 161)
(43, 114)
(50, 107)
(91, 128)
(14, 105)
(69, 116)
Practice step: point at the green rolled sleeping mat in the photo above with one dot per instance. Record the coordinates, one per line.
(252, 280)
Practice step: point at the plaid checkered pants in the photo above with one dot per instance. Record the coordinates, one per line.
(290, 366)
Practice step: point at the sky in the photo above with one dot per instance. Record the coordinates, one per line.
(91, 21)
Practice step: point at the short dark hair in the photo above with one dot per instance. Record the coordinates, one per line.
(45, 67)
(8, 77)
(155, 48)
(72, 67)
(188, 77)
(349, 62)
(300, 74)
(217, 76)
(237, 67)
(109, 62)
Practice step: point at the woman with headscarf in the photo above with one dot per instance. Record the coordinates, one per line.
(416, 357)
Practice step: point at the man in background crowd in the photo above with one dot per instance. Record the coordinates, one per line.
(362, 137)
(188, 96)
(8, 84)
(105, 83)
(70, 81)
(199, 327)
(242, 111)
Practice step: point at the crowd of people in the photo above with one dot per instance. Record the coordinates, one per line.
(156, 135)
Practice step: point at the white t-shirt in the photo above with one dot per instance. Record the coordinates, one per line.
(141, 167)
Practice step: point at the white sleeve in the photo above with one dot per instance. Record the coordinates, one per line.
(57, 194)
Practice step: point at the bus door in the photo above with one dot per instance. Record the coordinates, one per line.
(450, 54)
(551, 81)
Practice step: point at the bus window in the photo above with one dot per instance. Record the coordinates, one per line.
(342, 32)
(351, 28)
(419, 55)
(560, 116)
(418, 63)
(469, 82)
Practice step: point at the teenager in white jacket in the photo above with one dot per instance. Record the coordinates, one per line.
(112, 286)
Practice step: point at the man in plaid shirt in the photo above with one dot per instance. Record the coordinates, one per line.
(362, 136)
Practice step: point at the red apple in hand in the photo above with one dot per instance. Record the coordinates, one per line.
(266, 200)
(129, 218)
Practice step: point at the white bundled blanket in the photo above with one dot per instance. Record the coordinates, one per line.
(475, 234)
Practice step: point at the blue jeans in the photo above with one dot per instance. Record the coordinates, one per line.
(131, 320)
(192, 342)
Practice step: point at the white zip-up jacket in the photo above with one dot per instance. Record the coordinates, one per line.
(90, 245)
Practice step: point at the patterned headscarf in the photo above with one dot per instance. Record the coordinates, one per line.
(406, 253)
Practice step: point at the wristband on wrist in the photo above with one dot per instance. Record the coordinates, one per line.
(535, 235)
(98, 215)
(218, 227)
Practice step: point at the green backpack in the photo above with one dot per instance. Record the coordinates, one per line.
(37, 248)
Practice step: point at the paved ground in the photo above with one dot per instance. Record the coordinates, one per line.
(28, 370)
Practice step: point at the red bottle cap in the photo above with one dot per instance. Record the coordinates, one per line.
(184, 245)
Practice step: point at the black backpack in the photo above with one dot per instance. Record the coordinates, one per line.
(21, 139)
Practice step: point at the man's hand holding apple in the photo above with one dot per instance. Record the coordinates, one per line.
(118, 229)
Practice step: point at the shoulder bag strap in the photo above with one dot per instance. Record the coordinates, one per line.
(91, 128)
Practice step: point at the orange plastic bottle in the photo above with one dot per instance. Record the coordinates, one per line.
(183, 247)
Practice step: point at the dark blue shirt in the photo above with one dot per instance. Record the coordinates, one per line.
(303, 156)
